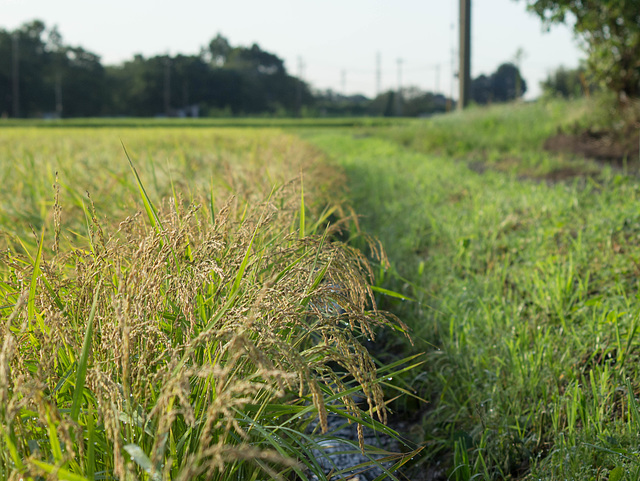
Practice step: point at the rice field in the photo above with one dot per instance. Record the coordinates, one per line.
(175, 304)
(196, 302)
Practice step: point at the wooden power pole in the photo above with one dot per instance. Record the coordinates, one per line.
(464, 73)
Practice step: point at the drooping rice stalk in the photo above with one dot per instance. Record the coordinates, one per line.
(202, 346)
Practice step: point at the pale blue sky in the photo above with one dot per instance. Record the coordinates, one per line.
(330, 36)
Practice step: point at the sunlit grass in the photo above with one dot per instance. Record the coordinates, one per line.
(154, 326)
(526, 293)
(506, 137)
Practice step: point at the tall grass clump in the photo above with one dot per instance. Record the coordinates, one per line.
(188, 343)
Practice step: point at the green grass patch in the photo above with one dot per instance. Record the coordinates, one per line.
(505, 137)
(525, 292)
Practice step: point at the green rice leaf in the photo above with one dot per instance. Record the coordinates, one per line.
(31, 308)
(302, 220)
(142, 460)
(60, 473)
(148, 205)
(91, 446)
(84, 357)
(10, 441)
(243, 265)
(389, 293)
(54, 442)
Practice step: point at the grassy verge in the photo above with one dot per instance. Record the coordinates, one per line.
(199, 339)
(526, 294)
(507, 137)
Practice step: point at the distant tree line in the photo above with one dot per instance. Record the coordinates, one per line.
(42, 76)
(410, 102)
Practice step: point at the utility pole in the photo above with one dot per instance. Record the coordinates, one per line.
(464, 74)
(59, 57)
(343, 82)
(167, 86)
(299, 86)
(378, 74)
(517, 60)
(16, 75)
(437, 79)
(58, 90)
(399, 95)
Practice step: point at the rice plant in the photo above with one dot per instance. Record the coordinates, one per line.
(188, 342)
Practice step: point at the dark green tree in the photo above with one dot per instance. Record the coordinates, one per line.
(58, 79)
(83, 83)
(567, 83)
(53, 78)
(218, 51)
(5, 73)
(610, 34)
(481, 90)
(36, 94)
(507, 83)
(255, 60)
(138, 86)
(504, 85)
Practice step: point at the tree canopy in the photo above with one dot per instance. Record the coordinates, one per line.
(42, 76)
(610, 33)
(55, 79)
(503, 85)
(568, 83)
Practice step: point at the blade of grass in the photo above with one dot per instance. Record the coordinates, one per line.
(212, 203)
(54, 442)
(59, 473)
(302, 219)
(84, 357)
(148, 205)
(390, 293)
(142, 460)
(10, 441)
(31, 308)
(91, 446)
(633, 405)
(243, 265)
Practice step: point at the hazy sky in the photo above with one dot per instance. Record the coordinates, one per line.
(338, 41)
